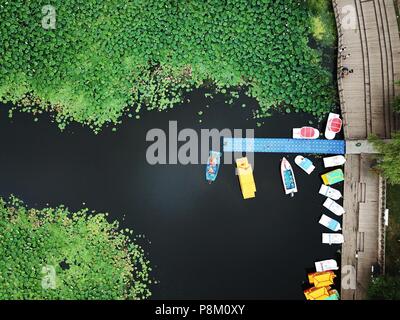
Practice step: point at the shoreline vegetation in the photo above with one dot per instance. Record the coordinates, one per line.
(388, 286)
(107, 59)
(53, 253)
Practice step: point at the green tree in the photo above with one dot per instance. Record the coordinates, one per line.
(53, 253)
(389, 161)
(385, 288)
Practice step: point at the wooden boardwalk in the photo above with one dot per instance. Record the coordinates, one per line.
(369, 31)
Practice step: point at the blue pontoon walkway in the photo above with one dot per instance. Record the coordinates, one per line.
(277, 145)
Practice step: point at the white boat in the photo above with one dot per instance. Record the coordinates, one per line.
(330, 223)
(288, 178)
(305, 133)
(326, 265)
(334, 161)
(330, 192)
(334, 207)
(332, 238)
(305, 164)
(334, 126)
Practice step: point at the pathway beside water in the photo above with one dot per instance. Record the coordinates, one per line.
(366, 102)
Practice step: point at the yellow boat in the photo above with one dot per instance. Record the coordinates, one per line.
(246, 178)
(317, 293)
(321, 279)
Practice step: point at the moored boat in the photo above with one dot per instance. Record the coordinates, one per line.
(330, 223)
(326, 265)
(334, 207)
(333, 177)
(305, 133)
(332, 238)
(288, 178)
(333, 295)
(334, 161)
(334, 126)
(330, 192)
(305, 164)
(317, 293)
(321, 279)
(213, 165)
(246, 178)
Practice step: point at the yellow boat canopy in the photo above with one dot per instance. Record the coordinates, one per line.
(317, 293)
(321, 279)
(246, 178)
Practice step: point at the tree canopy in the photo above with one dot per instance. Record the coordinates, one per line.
(389, 163)
(53, 253)
(104, 58)
(385, 288)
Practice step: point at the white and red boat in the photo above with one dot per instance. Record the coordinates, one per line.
(334, 126)
(305, 133)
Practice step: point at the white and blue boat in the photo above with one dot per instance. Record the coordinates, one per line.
(213, 164)
(305, 164)
(330, 223)
(288, 178)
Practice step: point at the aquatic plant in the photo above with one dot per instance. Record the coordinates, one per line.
(104, 58)
(53, 253)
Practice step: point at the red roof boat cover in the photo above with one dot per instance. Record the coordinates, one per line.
(335, 125)
(307, 132)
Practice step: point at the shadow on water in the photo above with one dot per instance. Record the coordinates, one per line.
(204, 241)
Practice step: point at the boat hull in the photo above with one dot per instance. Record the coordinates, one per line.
(330, 132)
(213, 165)
(335, 161)
(288, 178)
(305, 164)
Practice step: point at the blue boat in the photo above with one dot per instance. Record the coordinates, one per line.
(213, 164)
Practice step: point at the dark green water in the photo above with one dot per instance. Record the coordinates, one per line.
(204, 241)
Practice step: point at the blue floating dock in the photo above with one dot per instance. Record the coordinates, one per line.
(277, 145)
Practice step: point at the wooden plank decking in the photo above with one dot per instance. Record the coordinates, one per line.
(366, 98)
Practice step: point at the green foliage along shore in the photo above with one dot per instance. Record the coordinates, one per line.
(323, 24)
(56, 254)
(389, 160)
(105, 58)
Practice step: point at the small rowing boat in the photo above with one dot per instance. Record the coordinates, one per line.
(213, 164)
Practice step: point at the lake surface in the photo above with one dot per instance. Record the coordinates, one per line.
(204, 241)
